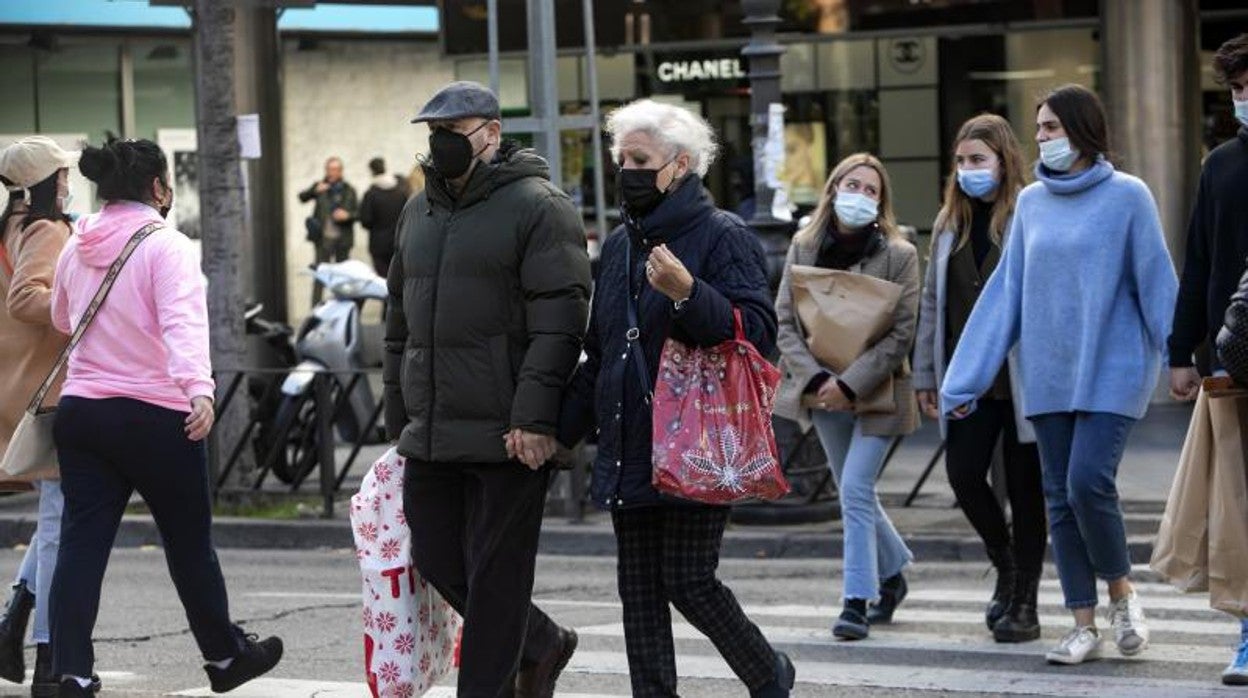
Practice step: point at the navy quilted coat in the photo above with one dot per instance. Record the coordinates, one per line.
(727, 262)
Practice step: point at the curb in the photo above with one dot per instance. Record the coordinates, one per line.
(557, 539)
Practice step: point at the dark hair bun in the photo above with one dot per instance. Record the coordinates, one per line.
(98, 164)
(124, 170)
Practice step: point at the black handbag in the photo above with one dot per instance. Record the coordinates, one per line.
(315, 231)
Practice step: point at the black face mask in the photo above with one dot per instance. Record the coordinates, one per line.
(639, 191)
(452, 152)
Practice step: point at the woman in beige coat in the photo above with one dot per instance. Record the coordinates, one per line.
(35, 228)
(853, 230)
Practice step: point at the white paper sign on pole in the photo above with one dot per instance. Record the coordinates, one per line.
(773, 162)
(249, 136)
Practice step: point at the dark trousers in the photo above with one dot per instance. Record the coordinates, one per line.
(474, 538)
(970, 445)
(669, 554)
(107, 450)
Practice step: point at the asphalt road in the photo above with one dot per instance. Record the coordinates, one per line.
(937, 647)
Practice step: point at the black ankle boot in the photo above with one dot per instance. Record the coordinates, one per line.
(892, 592)
(13, 634)
(1021, 622)
(44, 684)
(1003, 561)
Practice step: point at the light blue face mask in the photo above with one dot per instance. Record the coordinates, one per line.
(977, 183)
(1241, 111)
(1057, 155)
(855, 210)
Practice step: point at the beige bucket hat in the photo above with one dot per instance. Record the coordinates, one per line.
(31, 160)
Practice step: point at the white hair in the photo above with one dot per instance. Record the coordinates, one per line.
(675, 129)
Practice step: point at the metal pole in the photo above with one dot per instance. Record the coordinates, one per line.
(492, 24)
(323, 399)
(543, 84)
(591, 67)
(763, 54)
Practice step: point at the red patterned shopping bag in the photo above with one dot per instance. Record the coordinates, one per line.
(713, 441)
(411, 634)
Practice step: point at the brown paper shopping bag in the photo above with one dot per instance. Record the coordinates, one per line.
(1228, 506)
(1181, 552)
(843, 312)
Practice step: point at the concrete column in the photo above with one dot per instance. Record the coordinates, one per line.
(1150, 67)
(258, 90)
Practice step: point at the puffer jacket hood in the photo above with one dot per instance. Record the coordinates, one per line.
(102, 235)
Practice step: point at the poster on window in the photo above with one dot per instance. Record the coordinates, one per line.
(181, 150)
(805, 162)
(82, 193)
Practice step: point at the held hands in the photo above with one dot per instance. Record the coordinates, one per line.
(668, 275)
(199, 422)
(1184, 384)
(322, 187)
(961, 411)
(340, 215)
(531, 449)
(833, 399)
(929, 403)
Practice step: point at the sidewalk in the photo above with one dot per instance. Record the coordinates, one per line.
(933, 526)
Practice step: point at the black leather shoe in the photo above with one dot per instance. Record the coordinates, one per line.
(1007, 573)
(892, 592)
(71, 689)
(538, 681)
(782, 685)
(1021, 622)
(13, 634)
(257, 658)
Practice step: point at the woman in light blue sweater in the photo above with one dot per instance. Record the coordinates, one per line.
(1086, 290)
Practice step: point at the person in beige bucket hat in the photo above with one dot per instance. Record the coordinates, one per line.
(35, 228)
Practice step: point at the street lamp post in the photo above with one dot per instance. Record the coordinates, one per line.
(807, 478)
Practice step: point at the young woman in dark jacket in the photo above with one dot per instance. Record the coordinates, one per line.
(691, 264)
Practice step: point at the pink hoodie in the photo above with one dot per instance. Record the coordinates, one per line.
(149, 340)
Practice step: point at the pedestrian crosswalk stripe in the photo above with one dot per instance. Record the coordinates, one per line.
(290, 688)
(926, 678)
(907, 617)
(1169, 602)
(885, 638)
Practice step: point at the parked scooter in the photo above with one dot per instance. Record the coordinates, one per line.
(332, 339)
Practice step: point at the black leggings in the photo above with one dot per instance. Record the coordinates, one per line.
(970, 443)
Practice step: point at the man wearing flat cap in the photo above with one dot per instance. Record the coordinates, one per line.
(489, 292)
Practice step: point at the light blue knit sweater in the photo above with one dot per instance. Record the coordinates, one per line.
(1086, 288)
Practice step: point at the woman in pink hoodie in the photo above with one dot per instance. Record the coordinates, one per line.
(135, 408)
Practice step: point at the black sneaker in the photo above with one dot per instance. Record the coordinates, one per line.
(892, 592)
(257, 659)
(852, 625)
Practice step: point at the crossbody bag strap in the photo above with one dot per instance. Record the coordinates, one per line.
(105, 286)
(633, 335)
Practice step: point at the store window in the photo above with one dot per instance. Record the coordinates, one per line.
(79, 88)
(17, 109)
(164, 86)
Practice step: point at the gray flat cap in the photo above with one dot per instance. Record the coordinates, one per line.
(460, 99)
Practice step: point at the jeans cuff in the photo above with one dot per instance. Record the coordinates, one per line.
(1114, 577)
(1073, 605)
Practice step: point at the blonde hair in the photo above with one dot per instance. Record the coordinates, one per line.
(677, 130)
(824, 211)
(955, 214)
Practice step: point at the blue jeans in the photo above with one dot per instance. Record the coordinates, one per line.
(873, 549)
(39, 564)
(1080, 452)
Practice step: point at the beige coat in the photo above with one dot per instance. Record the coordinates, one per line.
(29, 344)
(895, 261)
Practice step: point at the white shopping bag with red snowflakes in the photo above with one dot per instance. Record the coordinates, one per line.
(410, 631)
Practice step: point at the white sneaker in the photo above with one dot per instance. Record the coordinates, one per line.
(1126, 617)
(1236, 673)
(1078, 646)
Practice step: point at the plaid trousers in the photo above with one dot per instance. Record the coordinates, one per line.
(669, 554)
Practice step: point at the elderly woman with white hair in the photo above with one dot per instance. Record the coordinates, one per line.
(682, 266)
